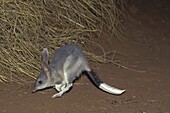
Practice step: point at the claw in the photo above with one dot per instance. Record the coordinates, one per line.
(58, 95)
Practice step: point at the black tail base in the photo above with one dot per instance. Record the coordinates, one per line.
(94, 78)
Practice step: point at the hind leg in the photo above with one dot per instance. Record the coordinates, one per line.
(64, 89)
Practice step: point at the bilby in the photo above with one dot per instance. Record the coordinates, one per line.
(67, 64)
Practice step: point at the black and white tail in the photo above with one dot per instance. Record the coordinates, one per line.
(103, 86)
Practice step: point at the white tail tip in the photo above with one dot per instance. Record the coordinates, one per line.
(111, 89)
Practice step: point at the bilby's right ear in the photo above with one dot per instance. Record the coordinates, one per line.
(44, 60)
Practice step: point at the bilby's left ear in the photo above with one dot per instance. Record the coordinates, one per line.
(44, 60)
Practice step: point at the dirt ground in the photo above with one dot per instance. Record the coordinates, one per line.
(146, 50)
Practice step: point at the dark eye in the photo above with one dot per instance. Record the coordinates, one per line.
(40, 82)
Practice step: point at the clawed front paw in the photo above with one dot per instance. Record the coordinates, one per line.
(63, 89)
(58, 95)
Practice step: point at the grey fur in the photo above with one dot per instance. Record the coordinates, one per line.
(67, 64)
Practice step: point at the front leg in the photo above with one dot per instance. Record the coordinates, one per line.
(59, 87)
(63, 90)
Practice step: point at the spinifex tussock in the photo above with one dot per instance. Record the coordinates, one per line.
(28, 26)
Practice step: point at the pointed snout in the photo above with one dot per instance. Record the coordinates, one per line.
(34, 90)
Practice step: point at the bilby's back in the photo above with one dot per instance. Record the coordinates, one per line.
(65, 55)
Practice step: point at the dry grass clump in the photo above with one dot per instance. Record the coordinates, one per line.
(27, 26)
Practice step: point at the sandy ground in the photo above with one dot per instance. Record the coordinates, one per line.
(146, 50)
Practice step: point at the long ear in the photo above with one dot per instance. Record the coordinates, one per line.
(44, 60)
